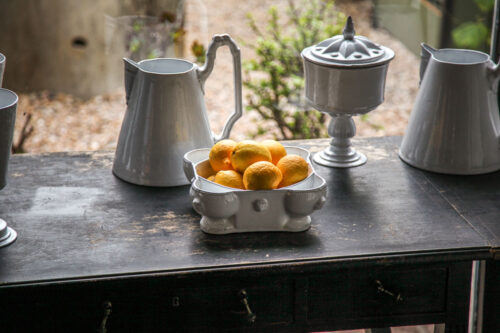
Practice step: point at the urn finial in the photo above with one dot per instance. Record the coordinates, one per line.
(349, 31)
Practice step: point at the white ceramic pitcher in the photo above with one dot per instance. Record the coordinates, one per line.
(454, 127)
(166, 116)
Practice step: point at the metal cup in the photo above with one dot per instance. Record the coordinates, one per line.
(2, 67)
(8, 106)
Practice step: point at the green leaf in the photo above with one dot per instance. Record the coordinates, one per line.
(485, 5)
(137, 25)
(135, 45)
(470, 35)
(155, 53)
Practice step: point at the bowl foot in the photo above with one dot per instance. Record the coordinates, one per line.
(296, 224)
(216, 226)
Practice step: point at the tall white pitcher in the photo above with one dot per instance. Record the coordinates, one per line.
(166, 116)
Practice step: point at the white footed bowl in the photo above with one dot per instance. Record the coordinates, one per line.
(227, 210)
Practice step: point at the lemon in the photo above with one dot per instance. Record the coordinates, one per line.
(248, 152)
(262, 175)
(220, 155)
(276, 149)
(204, 170)
(229, 178)
(294, 168)
(211, 178)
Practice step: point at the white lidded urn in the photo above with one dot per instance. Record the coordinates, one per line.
(344, 76)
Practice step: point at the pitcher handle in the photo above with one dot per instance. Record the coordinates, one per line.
(493, 75)
(204, 72)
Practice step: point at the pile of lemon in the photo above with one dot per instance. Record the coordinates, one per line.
(252, 165)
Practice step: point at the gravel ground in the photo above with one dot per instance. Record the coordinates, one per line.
(63, 123)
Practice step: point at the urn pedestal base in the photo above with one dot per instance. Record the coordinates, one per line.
(7, 235)
(340, 154)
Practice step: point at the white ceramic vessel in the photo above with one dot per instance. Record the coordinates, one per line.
(344, 77)
(166, 116)
(8, 106)
(454, 127)
(226, 210)
(2, 67)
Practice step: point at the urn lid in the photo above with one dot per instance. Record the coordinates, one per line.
(348, 50)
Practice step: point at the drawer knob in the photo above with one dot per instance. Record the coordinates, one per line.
(107, 311)
(250, 316)
(380, 288)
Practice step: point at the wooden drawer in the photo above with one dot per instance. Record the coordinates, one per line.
(357, 294)
(153, 306)
(209, 308)
(222, 307)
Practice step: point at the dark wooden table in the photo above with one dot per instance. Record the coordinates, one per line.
(477, 200)
(392, 246)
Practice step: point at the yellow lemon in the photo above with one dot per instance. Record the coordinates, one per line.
(276, 149)
(262, 175)
(248, 152)
(204, 170)
(211, 178)
(229, 178)
(220, 155)
(293, 168)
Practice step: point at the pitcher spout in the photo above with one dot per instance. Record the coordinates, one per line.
(131, 69)
(425, 56)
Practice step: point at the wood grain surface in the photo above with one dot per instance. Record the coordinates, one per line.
(75, 220)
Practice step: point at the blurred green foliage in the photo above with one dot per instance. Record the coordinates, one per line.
(475, 35)
(199, 52)
(149, 38)
(274, 77)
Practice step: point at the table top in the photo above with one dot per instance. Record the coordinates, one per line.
(76, 220)
(477, 200)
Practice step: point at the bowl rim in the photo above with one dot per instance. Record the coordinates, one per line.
(232, 190)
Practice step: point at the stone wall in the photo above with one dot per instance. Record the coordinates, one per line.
(71, 46)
